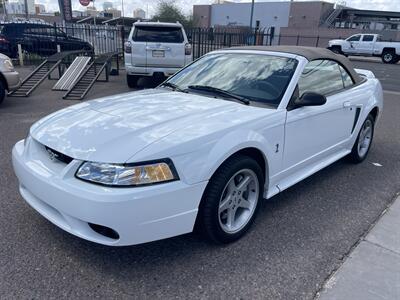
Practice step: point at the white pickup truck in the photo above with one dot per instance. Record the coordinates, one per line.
(367, 45)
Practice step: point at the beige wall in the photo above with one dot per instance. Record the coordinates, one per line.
(308, 14)
(202, 15)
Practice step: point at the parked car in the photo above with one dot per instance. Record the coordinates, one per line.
(202, 149)
(9, 78)
(37, 38)
(155, 48)
(367, 45)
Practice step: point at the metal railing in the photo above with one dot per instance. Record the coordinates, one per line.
(30, 42)
(37, 43)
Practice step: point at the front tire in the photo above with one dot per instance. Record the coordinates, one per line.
(231, 200)
(2, 92)
(132, 81)
(363, 142)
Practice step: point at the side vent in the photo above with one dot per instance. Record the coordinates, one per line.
(357, 115)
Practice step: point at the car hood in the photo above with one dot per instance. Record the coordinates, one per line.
(114, 128)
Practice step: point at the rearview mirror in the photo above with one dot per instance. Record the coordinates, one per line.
(310, 99)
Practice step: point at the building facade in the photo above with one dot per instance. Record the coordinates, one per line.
(317, 18)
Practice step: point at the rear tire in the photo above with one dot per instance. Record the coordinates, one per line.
(389, 57)
(364, 140)
(231, 200)
(132, 80)
(2, 92)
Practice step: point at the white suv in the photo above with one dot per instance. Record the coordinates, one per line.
(156, 48)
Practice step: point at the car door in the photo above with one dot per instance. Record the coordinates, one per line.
(354, 44)
(312, 133)
(61, 39)
(366, 45)
(41, 39)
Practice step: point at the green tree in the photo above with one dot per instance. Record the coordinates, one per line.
(168, 11)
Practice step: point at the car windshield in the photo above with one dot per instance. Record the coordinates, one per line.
(256, 77)
(158, 34)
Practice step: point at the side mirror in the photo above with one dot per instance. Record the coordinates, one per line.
(310, 99)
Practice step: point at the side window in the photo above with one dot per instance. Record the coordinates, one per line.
(321, 76)
(33, 30)
(347, 80)
(354, 38)
(368, 38)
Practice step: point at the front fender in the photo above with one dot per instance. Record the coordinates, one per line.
(233, 143)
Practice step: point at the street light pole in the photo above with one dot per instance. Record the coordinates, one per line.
(251, 14)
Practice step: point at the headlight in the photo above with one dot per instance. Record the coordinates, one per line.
(8, 65)
(128, 175)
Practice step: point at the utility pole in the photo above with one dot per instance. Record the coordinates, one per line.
(5, 10)
(26, 10)
(95, 12)
(123, 13)
(251, 14)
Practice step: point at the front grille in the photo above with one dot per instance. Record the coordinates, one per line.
(55, 155)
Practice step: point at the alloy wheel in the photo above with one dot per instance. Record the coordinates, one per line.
(238, 201)
(364, 140)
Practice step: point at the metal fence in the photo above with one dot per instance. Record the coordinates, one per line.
(40, 40)
(34, 41)
(208, 39)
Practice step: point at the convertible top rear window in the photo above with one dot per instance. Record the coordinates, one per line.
(257, 77)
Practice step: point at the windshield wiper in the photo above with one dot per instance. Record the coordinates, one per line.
(173, 86)
(215, 90)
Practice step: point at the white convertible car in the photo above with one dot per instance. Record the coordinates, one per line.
(202, 149)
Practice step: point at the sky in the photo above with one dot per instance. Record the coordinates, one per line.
(186, 5)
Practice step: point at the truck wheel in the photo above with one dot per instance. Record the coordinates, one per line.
(337, 50)
(132, 80)
(2, 92)
(389, 57)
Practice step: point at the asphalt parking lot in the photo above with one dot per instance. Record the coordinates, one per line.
(299, 238)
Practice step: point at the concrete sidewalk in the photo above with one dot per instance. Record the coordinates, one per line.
(372, 270)
(366, 59)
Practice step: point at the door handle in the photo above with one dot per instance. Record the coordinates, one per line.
(346, 104)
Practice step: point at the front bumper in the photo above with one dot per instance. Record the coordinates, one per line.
(138, 215)
(13, 80)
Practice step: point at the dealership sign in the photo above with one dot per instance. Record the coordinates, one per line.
(65, 9)
(84, 2)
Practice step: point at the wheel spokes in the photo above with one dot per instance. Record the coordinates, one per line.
(243, 203)
(244, 184)
(230, 217)
(225, 204)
